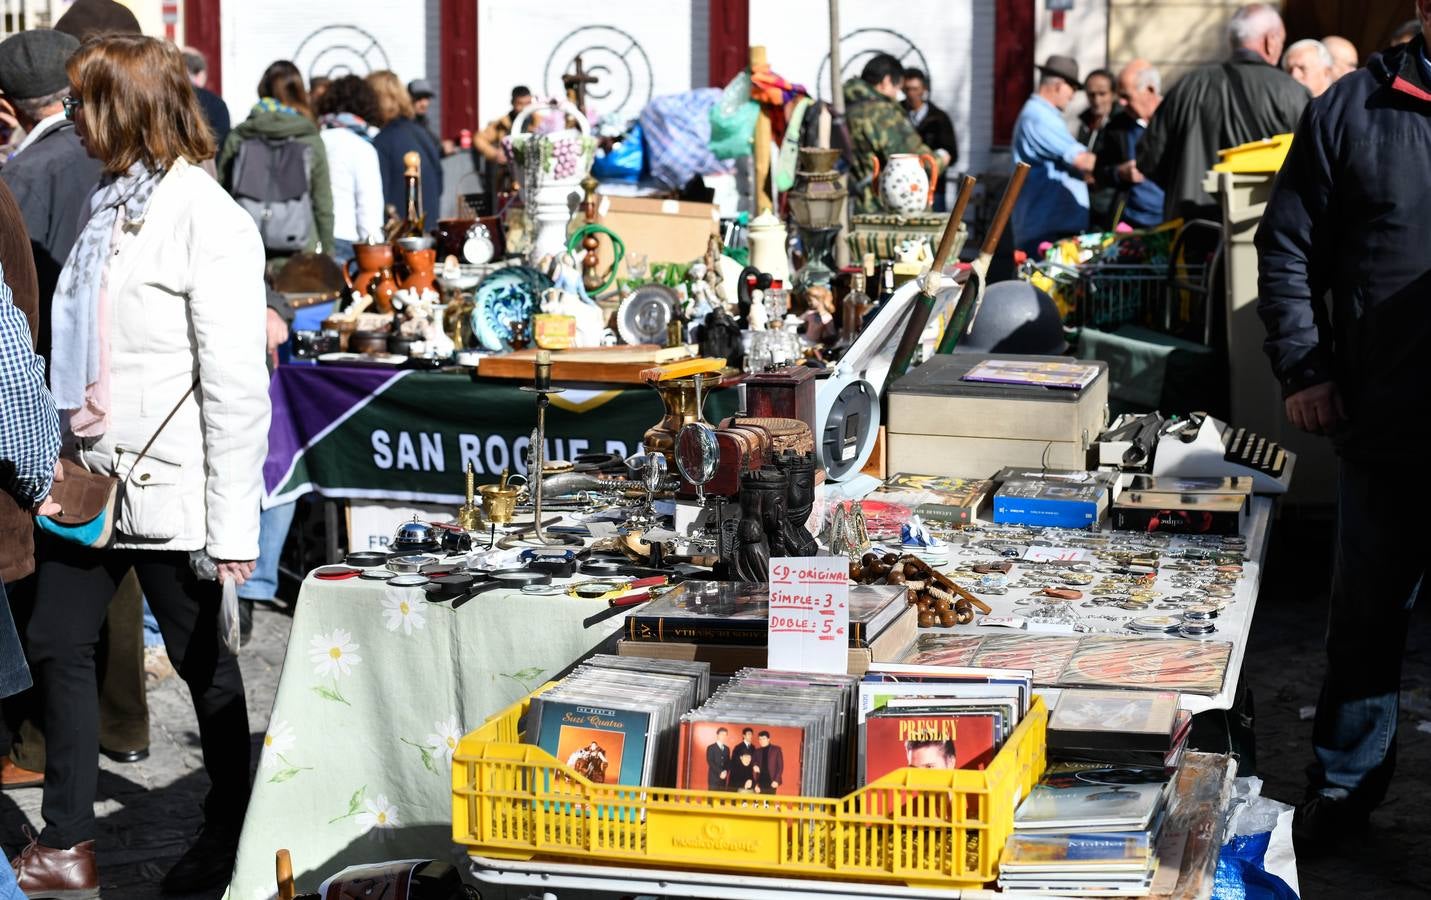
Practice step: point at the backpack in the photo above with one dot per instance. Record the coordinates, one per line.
(271, 182)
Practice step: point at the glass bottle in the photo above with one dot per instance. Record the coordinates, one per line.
(413, 223)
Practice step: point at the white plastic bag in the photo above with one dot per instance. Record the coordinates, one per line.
(229, 617)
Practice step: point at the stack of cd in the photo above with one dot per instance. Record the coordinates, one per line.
(774, 733)
(613, 723)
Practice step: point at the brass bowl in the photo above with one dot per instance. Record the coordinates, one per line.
(499, 502)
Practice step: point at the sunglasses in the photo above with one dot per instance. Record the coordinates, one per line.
(71, 104)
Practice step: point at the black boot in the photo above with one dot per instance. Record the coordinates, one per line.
(209, 863)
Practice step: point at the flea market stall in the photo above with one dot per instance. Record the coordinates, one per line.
(749, 564)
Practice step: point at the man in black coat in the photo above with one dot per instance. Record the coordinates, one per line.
(770, 758)
(1218, 106)
(718, 762)
(1347, 219)
(51, 175)
(934, 128)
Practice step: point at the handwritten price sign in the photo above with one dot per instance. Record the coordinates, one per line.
(809, 614)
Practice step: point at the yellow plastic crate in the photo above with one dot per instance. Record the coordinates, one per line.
(923, 827)
(1266, 155)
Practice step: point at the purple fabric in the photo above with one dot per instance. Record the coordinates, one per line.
(306, 401)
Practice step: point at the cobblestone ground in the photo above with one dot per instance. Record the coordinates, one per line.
(150, 811)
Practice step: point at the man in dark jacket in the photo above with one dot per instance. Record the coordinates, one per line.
(51, 175)
(878, 126)
(1346, 219)
(216, 111)
(934, 128)
(1219, 106)
(1139, 94)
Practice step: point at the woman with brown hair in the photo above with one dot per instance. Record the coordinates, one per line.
(400, 134)
(158, 364)
(275, 165)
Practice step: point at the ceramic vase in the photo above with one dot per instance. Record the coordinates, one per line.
(905, 182)
(551, 167)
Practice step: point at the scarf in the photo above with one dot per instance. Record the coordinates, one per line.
(347, 120)
(75, 359)
(268, 104)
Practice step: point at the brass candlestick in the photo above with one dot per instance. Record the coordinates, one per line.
(542, 388)
(469, 517)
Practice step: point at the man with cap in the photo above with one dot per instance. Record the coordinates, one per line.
(1054, 201)
(50, 174)
(421, 92)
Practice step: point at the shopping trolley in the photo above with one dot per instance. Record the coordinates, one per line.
(1172, 296)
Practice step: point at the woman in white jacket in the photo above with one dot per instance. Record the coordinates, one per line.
(160, 308)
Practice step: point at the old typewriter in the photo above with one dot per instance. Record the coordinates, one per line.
(1201, 446)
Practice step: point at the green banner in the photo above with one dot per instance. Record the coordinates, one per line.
(413, 435)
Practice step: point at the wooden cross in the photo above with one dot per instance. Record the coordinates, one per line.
(575, 85)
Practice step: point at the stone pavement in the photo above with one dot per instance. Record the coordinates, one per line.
(149, 812)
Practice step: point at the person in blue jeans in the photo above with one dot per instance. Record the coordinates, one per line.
(1346, 220)
(262, 586)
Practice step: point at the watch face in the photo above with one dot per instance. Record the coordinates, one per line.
(478, 246)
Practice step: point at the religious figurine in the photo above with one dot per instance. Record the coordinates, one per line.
(567, 297)
(700, 298)
(713, 277)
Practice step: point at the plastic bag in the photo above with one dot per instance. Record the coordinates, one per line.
(1256, 861)
(229, 617)
(205, 569)
(622, 162)
(733, 120)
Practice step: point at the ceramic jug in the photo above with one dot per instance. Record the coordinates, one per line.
(421, 270)
(766, 237)
(382, 287)
(370, 260)
(907, 184)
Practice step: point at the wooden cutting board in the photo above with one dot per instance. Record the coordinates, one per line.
(606, 365)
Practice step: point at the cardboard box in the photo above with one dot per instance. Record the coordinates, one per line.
(672, 231)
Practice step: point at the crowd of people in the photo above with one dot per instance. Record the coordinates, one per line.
(1139, 156)
(139, 230)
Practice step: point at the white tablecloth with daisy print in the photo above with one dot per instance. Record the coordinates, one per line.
(377, 687)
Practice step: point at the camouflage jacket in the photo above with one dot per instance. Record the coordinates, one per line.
(879, 126)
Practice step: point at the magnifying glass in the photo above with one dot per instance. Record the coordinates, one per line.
(504, 578)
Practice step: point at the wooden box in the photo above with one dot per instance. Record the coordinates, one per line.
(939, 425)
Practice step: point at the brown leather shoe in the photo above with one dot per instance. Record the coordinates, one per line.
(12, 776)
(44, 873)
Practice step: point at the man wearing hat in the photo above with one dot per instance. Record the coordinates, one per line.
(421, 92)
(1054, 201)
(50, 174)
